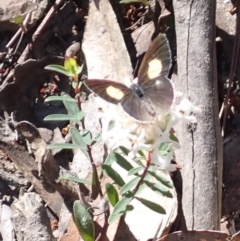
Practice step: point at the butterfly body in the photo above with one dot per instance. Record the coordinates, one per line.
(151, 94)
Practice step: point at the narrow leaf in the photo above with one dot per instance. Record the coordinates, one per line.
(95, 184)
(144, 2)
(63, 146)
(72, 108)
(83, 222)
(74, 179)
(77, 138)
(161, 179)
(151, 205)
(87, 137)
(128, 186)
(112, 218)
(122, 204)
(112, 194)
(121, 161)
(164, 148)
(60, 98)
(135, 170)
(58, 68)
(61, 117)
(113, 174)
(159, 188)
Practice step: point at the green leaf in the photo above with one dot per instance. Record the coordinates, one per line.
(122, 149)
(60, 98)
(58, 68)
(63, 117)
(144, 2)
(173, 137)
(112, 218)
(18, 19)
(135, 170)
(131, 184)
(159, 188)
(74, 179)
(77, 138)
(111, 125)
(95, 184)
(112, 194)
(83, 222)
(113, 174)
(122, 204)
(87, 137)
(97, 138)
(164, 148)
(122, 162)
(161, 178)
(79, 69)
(63, 146)
(151, 205)
(71, 66)
(72, 108)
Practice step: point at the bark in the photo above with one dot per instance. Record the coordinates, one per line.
(201, 149)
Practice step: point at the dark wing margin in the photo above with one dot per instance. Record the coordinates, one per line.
(156, 61)
(108, 90)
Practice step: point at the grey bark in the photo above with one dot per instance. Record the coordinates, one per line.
(201, 150)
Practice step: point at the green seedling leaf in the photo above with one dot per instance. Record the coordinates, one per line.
(77, 138)
(83, 222)
(144, 2)
(71, 66)
(113, 174)
(111, 125)
(18, 20)
(159, 188)
(161, 179)
(151, 205)
(60, 98)
(63, 117)
(128, 186)
(121, 206)
(164, 148)
(135, 170)
(97, 138)
(74, 179)
(72, 108)
(112, 194)
(87, 137)
(139, 163)
(59, 69)
(95, 184)
(63, 146)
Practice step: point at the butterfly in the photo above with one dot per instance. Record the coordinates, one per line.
(151, 93)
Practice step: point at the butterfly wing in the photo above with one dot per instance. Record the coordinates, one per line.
(156, 61)
(160, 94)
(110, 91)
(135, 107)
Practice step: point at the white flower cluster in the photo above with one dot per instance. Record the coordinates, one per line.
(147, 137)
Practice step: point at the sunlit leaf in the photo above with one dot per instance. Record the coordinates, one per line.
(77, 138)
(87, 137)
(161, 178)
(63, 117)
(79, 69)
(71, 66)
(135, 170)
(144, 2)
(58, 68)
(112, 218)
(112, 194)
(122, 204)
(131, 184)
(63, 146)
(60, 98)
(158, 187)
(113, 174)
(151, 205)
(74, 179)
(164, 148)
(122, 162)
(83, 222)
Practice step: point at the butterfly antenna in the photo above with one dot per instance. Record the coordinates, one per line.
(139, 58)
